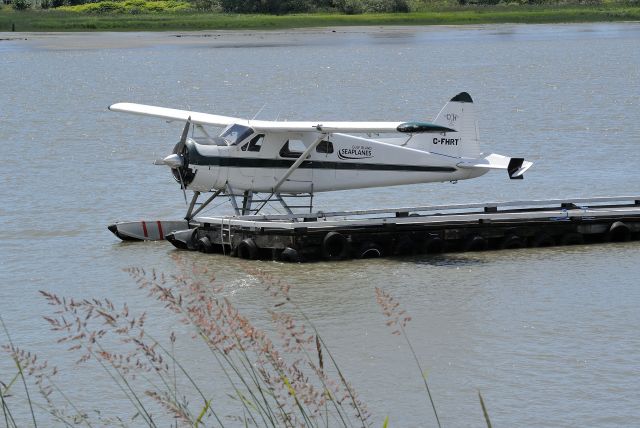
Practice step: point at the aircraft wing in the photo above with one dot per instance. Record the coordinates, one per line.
(278, 126)
(326, 127)
(358, 127)
(173, 114)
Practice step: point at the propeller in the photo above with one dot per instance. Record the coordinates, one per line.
(183, 138)
(175, 160)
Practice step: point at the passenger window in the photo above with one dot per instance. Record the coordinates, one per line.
(292, 149)
(325, 147)
(255, 144)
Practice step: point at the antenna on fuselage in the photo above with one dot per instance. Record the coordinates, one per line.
(259, 111)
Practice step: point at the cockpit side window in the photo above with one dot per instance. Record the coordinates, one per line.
(324, 147)
(254, 145)
(236, 134)
(292, 149)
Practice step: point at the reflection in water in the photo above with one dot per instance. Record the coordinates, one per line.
(452, 260)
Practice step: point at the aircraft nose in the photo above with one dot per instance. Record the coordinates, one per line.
(173, 160)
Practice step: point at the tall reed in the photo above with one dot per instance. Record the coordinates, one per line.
(281, 375)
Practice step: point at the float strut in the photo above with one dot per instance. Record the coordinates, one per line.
(205, 203)
(188, 216)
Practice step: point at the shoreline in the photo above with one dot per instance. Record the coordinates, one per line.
(57, 21)
(292, 36)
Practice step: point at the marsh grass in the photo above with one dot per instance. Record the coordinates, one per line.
(54, 20)
(284, 375)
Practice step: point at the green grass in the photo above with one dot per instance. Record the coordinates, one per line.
(51, 20)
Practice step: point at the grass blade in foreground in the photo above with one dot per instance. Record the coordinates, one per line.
(397, 318)
(484, 411)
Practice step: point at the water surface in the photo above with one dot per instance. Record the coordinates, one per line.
(549, 336)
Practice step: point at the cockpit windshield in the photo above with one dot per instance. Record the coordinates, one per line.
(235, 134)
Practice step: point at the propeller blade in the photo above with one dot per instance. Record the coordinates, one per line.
(183, 138)
(182, 186)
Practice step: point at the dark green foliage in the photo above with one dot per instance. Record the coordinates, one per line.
(206, 5)
(280, 7)
(350, 7)
(354, 7)
(21, 4)
(482, 2)
(273, 7)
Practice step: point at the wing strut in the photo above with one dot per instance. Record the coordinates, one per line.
(188, 216)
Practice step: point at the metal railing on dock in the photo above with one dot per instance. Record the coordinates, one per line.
(487, 207)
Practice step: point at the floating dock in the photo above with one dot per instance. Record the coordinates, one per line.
(404, 231)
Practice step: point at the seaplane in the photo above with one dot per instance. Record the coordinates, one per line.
(262, 161)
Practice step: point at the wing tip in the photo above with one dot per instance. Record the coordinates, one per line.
(116, 106)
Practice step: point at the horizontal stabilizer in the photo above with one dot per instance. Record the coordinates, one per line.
(516, 167)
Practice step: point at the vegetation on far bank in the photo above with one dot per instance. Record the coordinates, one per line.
(163, 15)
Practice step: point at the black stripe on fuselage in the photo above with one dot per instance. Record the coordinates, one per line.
(313, 164)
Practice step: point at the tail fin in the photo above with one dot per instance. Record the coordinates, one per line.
(458, 114)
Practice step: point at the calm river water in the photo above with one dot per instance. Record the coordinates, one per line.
(549, 336)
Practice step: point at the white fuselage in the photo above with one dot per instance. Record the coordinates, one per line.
(340, 162)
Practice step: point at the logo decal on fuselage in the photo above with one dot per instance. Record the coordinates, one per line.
(356, 152)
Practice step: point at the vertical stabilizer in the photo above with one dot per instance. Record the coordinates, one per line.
(458, 114)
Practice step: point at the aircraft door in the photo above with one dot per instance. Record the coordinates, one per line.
(256, 172)
(302, 178)
(324, 170)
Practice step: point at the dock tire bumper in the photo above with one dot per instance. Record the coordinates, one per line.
(512, 242)
(248, 249)
(619, 232)
(369, 250)
(290, 255)
(204, 245)
(475, 243)
(335, 246)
